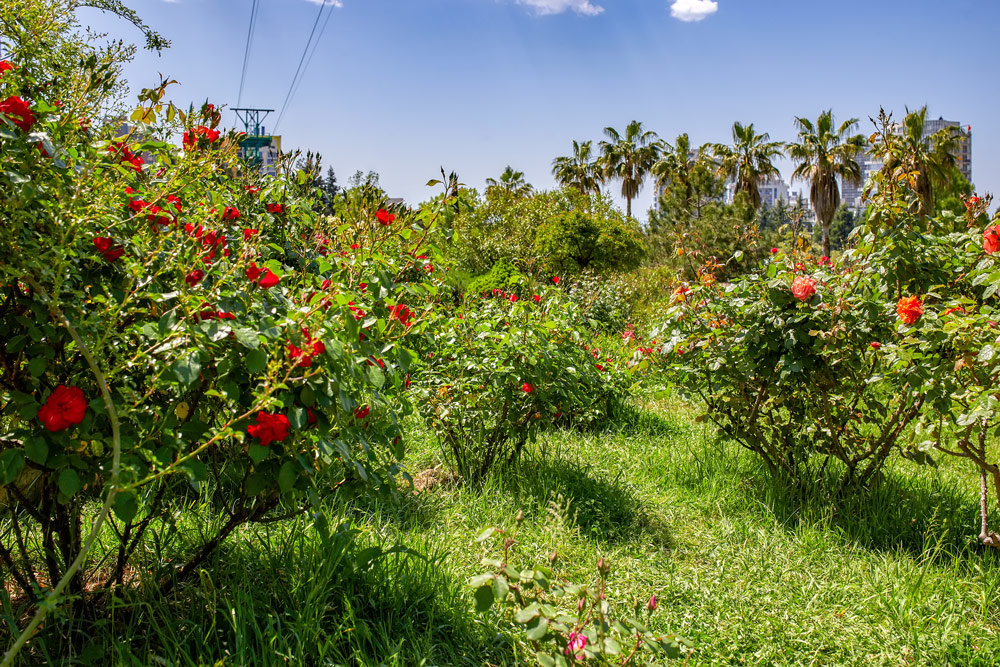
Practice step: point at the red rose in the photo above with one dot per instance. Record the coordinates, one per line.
(194, 277)
(269, 280)
(231, 213)
(824, 261)
(991, 239)
(909, 309)
(875, 345)
(276, 209)
(803, 287)
(555, 280)
(957, 309)
(249, 234)
(312, 417)
(263, 276)
(269, 428)
(401, 313)
(19, 113)
(361, 412)
(65, 407)
(5, 66)
(157, 216)
(108, 249)
(384, 217)
(527, 388)
(774, 251)
(296, 353)
(252, 189)
(536, 299)
(191, 136)
(173, 199)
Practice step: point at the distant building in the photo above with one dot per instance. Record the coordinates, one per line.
(269, 154)
(964, 153)
(851, 193)
(772, 191)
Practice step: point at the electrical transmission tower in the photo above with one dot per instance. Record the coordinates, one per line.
(255, 137)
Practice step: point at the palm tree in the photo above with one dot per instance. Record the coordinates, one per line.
(629, 158)
(825, 152)
(512, 182)
(930, 158)
(578, 170)
(748, 161)
(675, 166)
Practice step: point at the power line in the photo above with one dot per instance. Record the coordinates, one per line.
(254, 7)
(319, 38)
(305, 51)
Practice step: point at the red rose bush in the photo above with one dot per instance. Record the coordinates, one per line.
(161, 324)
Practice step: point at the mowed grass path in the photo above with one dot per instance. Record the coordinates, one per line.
(747, 571)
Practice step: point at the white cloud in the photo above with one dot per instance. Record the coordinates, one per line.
(335, 3)
(584, 7)
(693, 10)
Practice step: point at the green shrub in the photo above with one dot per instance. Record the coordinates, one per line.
(169, 316)
(581, 240)
(504, 277)
(786, 362)
(505, 369)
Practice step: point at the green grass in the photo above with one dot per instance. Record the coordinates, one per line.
(750, 572)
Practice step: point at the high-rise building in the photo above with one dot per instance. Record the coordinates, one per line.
(771, 190)
(963, 155)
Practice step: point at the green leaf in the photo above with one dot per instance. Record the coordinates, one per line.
(537, 629)
(247, 337)
(257, 452)
(256, 361)
(500, 589)
(69, 482)
(37, 449)
(484, 598)
(11, 462)
(37, 366)
(126, 505)
(486, 534)
(307, 396)
(525, 615)
(376, 376)
(195, 469)
(298, 417)
(480, 580)
(287, 476)
(187, 370)
(986, 354)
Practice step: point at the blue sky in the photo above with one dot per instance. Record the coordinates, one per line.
(403, 87)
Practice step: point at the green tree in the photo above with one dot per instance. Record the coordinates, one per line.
(628, 158)
(511, 181)
(579, 240)
(749, 161)
(824, 153)
(929, 160)
(578, 170)
(844, 222)
(685, 180)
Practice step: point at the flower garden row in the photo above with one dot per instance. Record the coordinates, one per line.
(177, 325)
